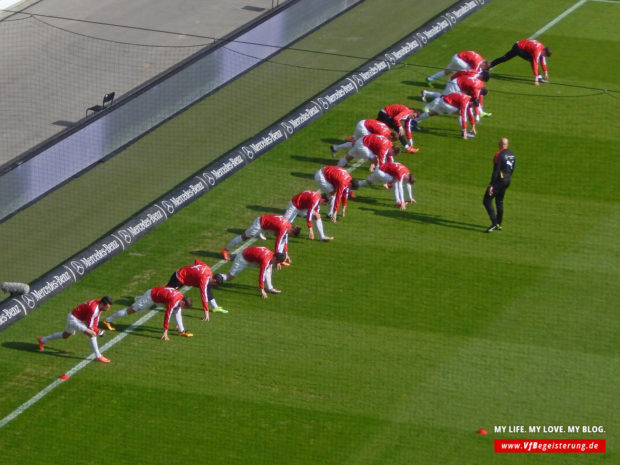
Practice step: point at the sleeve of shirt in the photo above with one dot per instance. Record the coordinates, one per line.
(464, 116)
(204, 284)
(315, 207)
(171, 306)
(282, 241)
(399, 194)
(339, 193)
(496, 170)
(94, 323)
(261, 274)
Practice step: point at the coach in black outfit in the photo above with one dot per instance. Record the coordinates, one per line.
(503, 166)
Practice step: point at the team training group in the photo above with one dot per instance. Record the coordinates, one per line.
(373, 141)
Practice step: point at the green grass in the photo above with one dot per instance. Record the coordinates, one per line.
(400, 339)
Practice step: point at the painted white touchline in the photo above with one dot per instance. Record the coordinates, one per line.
(37, 397)
(558, 19)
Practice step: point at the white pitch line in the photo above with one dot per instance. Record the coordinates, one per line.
(558, 19)
(37, 397)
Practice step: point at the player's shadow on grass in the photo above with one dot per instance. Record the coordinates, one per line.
(125, 300)
(34, 347)
(410, 214)
(360, 199)
(303, 175)
(315, 160)
(237, 288)
(512, 78)
(263, 209)
(415, 83)
(206, 253)
(140, 331)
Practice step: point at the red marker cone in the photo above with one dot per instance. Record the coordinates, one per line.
(482, 431)
(64, 377)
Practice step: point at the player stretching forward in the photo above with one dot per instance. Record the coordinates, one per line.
(170, 297)
(256, 256)
(277, 224)
(374, 148)
(530, 50)
(399, 117)
(307, 203)
(461, 61)
(469, 82)
(336, 182)
(364, 128)
(197, 275)
(399, 176)
(83, 318)
(457, 102)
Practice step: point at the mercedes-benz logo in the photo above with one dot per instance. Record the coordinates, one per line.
(451, 18)
(324, 103)
(422, 38)
(390, 59)
(210, 179)
(287, 127)
(247, 152)
(125, 235)
(78, 267)
(27, 298)
(168, 206)
(358, 79)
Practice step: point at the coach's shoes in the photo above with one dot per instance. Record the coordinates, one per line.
(102, 359)
(186, 334)
(226, 254)
(41, 344)
(219, 310)
(494, 227)
(108, 326)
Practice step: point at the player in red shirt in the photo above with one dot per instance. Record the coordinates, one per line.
(399, 176)
(83, 318)
(373, 147)
(197, 275)
(363, 128)
(398, 117)
(170, 297)
(461, 61)
(307, 203)
(532, 51)
(277, 224)
(336, 182)
(471, 82)
(457, 102)
(256, 256)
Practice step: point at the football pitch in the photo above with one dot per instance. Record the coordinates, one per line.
(399, 340)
